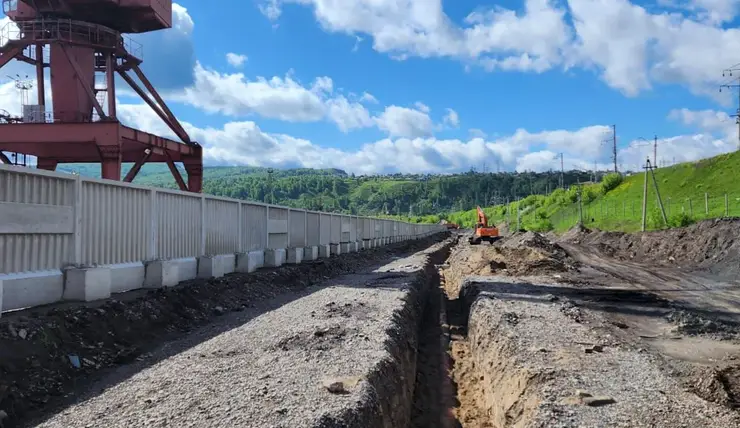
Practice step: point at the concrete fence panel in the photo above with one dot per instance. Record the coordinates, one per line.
(346, 229)
(336, 229)
(358, 228)
(297, 224)
(378, 228)
(254, 227)
(277, 227)
(116, 223)
(313, 229)
(222, 226)
(38, 220)
(387, 228)
(179, 225)
(325, 229)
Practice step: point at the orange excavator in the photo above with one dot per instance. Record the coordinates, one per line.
(483, 232)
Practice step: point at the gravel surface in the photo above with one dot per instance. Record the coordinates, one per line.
(327, 357)
(49, 354)
(554, 358)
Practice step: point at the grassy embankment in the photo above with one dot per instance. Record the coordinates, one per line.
(616, 202)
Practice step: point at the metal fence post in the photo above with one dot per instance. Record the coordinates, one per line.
(691, 209)
(706, 203)
(727, 205)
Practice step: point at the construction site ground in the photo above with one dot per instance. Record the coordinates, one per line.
(246, 350)
(597, 329)
(588, 329)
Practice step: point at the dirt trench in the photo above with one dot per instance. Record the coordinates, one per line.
(534, 336)
(472, 382)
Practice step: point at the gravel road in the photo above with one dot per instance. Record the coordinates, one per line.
(276, 369)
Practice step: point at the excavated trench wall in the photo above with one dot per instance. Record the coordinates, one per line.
(396, 394)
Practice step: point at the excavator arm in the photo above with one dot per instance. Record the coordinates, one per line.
(482, 219)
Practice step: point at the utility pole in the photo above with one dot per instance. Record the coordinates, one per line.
(655, 151)
(728, 73)
(562, 172)
(614, 146)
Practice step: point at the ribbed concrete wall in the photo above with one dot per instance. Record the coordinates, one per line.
(312, 229)
(346, 229)
(222, 221)
(254, 227)
(297, 225)
(45, 248)
(325, 235)
(50, 220)
(277, 227)
(336, 229)
(117, 223)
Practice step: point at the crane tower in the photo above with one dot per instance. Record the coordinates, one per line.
(82, 43)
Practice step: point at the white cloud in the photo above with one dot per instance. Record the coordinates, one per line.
(451, 118)
(282, 98)
(422, 107)
(369, 98)
(236, 60)
(244, 143)
(348, 115)
(275, 98)
(631, 47)
(405, 122)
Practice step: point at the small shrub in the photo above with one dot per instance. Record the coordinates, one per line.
(681, 220)
(541, 225)
(610, 182)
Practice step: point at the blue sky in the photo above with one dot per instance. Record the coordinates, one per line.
(429, 86)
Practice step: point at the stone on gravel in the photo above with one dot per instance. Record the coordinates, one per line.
(598, 401)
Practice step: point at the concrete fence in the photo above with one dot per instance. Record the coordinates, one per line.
(65, 237)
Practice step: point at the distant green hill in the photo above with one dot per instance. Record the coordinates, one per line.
(616, 202)
(414, 196)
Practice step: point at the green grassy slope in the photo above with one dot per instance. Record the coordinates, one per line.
(682, 188)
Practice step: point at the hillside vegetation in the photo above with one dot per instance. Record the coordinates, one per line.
(418, 198)
(689, 191)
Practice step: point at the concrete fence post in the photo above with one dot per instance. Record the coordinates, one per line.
(77, 227)
(151, 252)
(203, 229)
(267, 227)
(239, 229)
(287, 242)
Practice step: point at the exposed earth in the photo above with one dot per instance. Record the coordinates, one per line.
(587, 329)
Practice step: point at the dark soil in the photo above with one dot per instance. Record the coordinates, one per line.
(710, 245)
(49, 354)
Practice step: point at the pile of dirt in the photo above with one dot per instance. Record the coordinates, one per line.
(47, 353)
(522, 254)
(711, 245)
(719, 385)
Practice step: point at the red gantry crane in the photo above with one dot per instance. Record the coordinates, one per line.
(80, 40)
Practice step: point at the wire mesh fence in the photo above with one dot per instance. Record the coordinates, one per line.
(627, 215)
